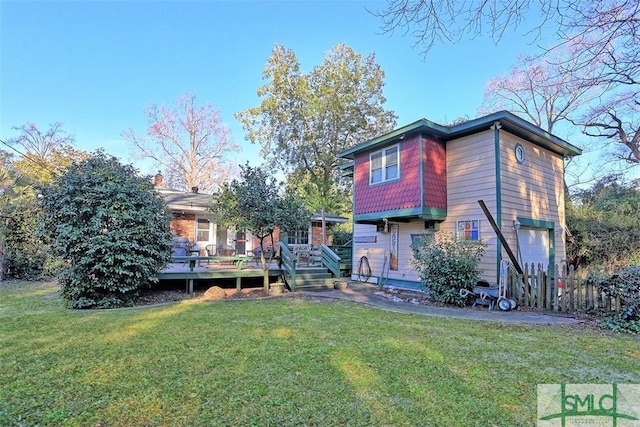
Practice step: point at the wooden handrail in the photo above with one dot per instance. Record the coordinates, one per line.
(288, 264)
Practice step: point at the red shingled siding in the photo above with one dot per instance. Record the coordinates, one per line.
(435, 173)
(401, 194)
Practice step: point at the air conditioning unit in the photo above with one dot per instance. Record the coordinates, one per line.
(432, 225)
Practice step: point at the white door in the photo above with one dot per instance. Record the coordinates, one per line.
(534, 246)
(205, 234)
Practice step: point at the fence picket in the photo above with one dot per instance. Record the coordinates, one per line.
(571, 289)
(579, 293)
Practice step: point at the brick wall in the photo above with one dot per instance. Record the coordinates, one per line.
(183, 225)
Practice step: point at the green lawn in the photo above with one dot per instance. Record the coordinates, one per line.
(283, 361)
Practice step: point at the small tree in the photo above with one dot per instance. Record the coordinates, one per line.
(109, 227)
(446, 265)
(254, 203)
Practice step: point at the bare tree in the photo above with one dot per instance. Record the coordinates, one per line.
(190, 143)
(38, 143)
(617, 122)
(603, 36)
(537, 90)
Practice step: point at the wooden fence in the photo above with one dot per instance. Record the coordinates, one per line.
(568, 290)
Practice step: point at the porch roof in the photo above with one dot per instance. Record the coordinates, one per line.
(186, 201)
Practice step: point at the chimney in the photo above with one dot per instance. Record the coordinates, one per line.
(157, 180)
(194, 189)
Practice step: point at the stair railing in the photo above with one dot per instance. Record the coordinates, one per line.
(330, 259)
(288, 264)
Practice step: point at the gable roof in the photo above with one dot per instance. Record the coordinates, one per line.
(186, 201)
(508, 121)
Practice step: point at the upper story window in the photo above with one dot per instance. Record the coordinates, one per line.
(384, 165)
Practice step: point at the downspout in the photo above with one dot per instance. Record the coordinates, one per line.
(496, 142)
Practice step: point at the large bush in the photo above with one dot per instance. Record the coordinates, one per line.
(622, 283)
(604, 224)
(446, 265)
(109, 227)
(26, 256)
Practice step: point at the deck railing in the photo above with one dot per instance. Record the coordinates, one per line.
(288, 263)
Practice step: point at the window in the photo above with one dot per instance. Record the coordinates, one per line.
(202, 230)
(384, 165)
(299, 237)
(468, 230)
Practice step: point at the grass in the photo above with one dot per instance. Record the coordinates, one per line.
(284, 361)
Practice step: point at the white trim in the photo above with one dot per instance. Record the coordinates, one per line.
(383, 167)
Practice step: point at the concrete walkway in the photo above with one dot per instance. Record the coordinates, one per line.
(370, 295)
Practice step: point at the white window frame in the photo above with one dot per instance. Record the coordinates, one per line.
(383, 166)
(460, 229)
(295, 238)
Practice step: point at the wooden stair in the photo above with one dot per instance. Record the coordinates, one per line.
(313, 279)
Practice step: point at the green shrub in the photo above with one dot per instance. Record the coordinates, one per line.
(111, 230)
(341, 237)
(624, 283)
(446, 265)
(26, 256)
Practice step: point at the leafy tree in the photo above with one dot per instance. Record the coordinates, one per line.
(604, 226)
(44, 156)
(306, 119)
(191, 143)
(254, 203)
(109, 227)
(446, 265)
(15, 188)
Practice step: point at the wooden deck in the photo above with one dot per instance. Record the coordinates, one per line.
(191, 269)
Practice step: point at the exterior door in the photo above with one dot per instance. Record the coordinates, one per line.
(534, 246)
(204, 232)
(241, 243)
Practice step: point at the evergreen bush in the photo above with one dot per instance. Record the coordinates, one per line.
(446, 265)
(109, 227)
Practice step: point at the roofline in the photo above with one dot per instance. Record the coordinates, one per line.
(508, 120)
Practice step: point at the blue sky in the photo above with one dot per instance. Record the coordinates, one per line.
(95, 65)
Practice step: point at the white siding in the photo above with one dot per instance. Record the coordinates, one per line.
(378, 253)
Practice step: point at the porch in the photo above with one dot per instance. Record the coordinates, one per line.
(294, 269)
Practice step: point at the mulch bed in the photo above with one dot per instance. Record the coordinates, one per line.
(151, 297)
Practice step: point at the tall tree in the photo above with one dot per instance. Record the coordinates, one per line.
(306, 119)
(254, 203)
(537, 90)
(191, 143)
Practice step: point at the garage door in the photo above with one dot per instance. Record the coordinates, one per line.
(534, 246)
